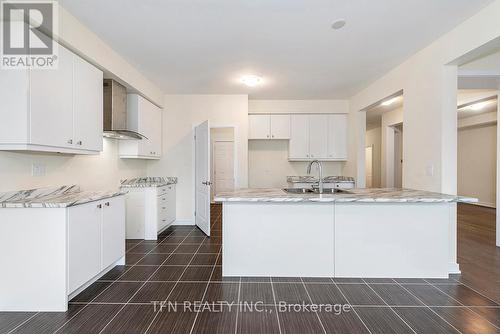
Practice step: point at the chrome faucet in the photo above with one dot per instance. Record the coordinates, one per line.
(320, 170)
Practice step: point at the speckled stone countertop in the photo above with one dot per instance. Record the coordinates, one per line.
(313, 179)
(144, 182)
(54, 197)
(372, 195)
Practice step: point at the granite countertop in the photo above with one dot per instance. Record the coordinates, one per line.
(372, 195)
(52, 197)
(144, 182)
(313, 179)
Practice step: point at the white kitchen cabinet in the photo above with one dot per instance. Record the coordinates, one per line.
(84, 244)
(51, 102)
(145, 118)
(318, 132)
(269, 127)
(96, 239)
(259, 126)
(52, 110)
(299, 137)
(150, 210)
(280, 126)
(113, 232)
(87, 106)
(318, 136)
(337, 137)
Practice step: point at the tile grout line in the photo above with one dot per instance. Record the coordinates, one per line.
(404, 321)
(176, 283)
(146, 281)
(411, 293)
(310, 299)
(238, 308)
(22, 323)
(275, 305)
(466, 306)
(204, 293)
(353, 308)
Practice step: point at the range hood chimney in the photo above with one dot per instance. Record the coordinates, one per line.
(115, 112)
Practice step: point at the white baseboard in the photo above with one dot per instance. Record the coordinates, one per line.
(183, 222)
(454, 268)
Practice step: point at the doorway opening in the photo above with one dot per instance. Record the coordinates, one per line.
(384, 143)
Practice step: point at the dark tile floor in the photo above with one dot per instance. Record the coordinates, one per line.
(184, 267)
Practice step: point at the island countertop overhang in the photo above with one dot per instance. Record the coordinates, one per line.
(357, 195)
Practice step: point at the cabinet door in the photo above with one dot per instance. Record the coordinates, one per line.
(171, 204)
(145, 126)
(280, 126)
(337, 137)
(318, 132)
(113, 231)
(259, 127)
(87, 105)
(84, 244)
(51, 119)
(156, 144)
(299, 137)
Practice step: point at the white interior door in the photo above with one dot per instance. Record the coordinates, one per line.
(369, 166)
(202, 177)
(223, 166)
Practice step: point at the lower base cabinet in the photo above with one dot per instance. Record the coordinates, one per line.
(149, 211)
(52, 254)
(96, 239)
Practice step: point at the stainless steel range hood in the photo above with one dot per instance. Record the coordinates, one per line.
(115, 112)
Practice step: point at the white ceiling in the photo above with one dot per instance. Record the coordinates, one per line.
(204, 46)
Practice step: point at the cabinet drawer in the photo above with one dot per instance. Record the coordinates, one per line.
(164, 190)
(162, 200)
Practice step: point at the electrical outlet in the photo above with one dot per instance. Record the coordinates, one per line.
(38, 169)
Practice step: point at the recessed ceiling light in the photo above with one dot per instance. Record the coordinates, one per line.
(251, 80)
(339, 24)
(389, 102)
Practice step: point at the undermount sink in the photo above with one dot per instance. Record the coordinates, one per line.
(311, 191)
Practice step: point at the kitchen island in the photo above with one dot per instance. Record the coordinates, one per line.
(353, 233)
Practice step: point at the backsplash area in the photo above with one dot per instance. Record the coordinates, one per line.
(268, 165)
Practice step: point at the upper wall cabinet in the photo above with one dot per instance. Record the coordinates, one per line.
(52, 110)
(319, 136)
(269, 127)
(145, 118)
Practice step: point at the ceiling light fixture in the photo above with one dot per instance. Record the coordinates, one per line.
(251, 80)
(389, 102)
(339, 24)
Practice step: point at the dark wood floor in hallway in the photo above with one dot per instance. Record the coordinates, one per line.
(183, 267)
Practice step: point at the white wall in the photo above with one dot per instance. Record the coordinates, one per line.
(96, 172)
(268, 164)
(477, 158)
(429, 86)
(374, 138)
(182, 113)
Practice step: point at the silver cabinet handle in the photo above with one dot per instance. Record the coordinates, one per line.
(79, 142)
(99, 206)
(163, 208)
(107, 204)
(70, 141)
(272, 136)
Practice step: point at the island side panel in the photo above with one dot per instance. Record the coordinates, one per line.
(278, 239)
(33, 261)
(392, 240)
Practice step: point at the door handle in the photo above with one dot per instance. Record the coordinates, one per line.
(207, 183)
